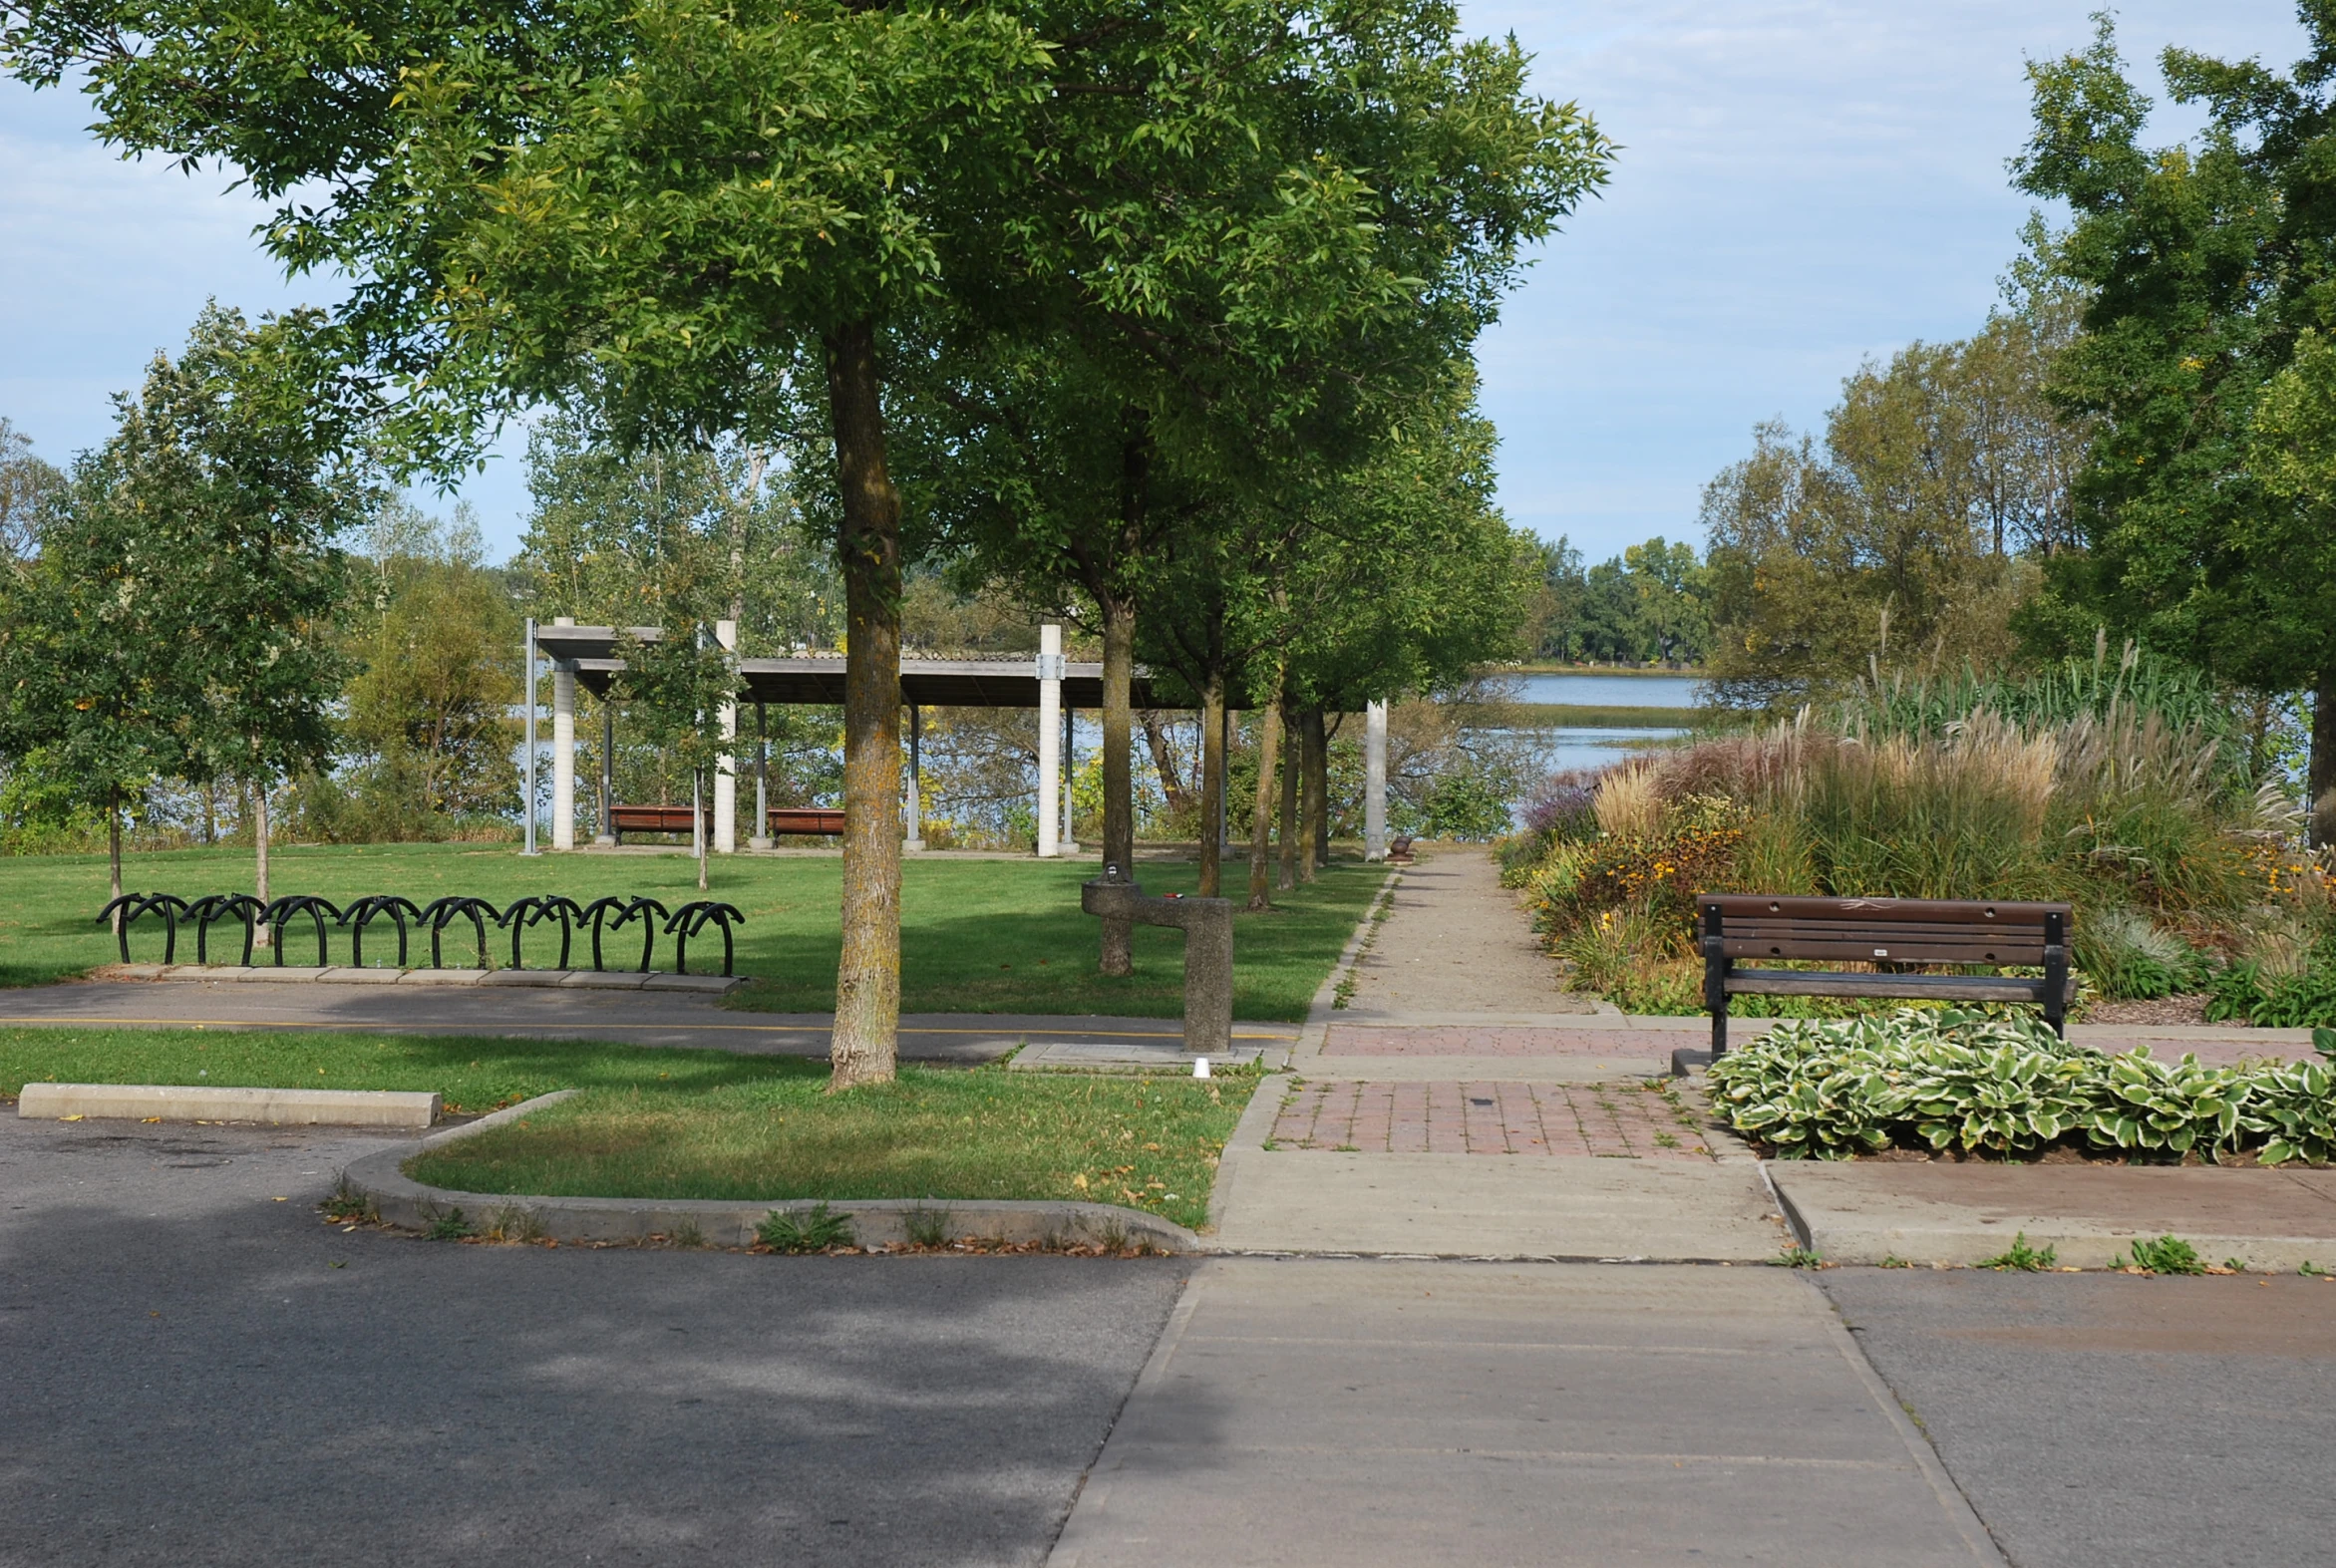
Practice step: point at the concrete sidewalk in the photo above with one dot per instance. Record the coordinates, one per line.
(1319, 1411)
(633, 1017)
(1917, 1211)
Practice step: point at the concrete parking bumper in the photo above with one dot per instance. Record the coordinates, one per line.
(348, 1107)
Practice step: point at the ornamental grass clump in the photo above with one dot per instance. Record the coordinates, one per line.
(2112, 785)
(2003, 1085)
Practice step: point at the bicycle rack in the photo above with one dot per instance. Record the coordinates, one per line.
(224, 906)
(442, 912)
(284, 910)
(133, 905)
(534, 911)
(625, 910)
(372, 908)
(689, 920)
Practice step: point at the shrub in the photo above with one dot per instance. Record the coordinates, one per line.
(2127, 956)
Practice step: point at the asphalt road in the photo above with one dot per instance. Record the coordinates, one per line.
(196, 1373)
(2096, 1421)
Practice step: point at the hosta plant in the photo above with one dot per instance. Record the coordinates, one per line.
(2007, 1087)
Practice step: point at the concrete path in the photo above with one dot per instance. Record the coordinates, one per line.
(1455, 941)
(1452, 1051)
(1322, 1411)
(628, 1018)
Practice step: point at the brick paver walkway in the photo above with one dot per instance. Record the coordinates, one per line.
(1499, 1040)
(1621, 1121)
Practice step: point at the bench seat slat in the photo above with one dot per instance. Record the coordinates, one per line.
(1804, 983)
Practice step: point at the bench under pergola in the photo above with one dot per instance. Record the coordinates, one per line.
(588, 656)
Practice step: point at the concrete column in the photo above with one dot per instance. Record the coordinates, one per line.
(1049, 741)
(726, 766)
(915, 803)
(564, 749)
(1375, 783)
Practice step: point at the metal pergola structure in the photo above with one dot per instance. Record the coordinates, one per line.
(588, 656)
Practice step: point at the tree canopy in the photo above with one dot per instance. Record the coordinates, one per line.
(2208, 275)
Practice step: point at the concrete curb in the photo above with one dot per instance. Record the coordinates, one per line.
(379, 1182)
(346, 1107)
(344, 975)
(1322, 1011)
(1247, 1141)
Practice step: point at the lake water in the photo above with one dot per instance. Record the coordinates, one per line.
(1609, 691)
(1557, 751)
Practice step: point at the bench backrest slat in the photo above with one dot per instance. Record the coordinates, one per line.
(1911, 930)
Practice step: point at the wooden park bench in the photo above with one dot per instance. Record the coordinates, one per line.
(623, 819)
(1883, 932)
(805, 820)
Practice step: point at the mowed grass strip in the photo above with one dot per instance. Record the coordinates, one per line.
(976, 936)
(937, 1134)
(708, 1125)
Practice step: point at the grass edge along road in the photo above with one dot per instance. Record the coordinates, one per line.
(976, 936)
(670, 1123)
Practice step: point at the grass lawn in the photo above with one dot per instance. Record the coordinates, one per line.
(995, 936)
(707, 1125)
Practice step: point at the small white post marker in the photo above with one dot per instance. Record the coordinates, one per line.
(1199, 1066)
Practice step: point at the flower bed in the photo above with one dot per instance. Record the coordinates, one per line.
(2003, 1085)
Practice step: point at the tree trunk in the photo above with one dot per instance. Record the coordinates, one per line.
(2320, 786)
(1212, 785)
(699, 791)
(114, 848)
(1119, 773)
(865, 1045)
(1315, 785)
(1262, 809)
(1164, 762)
(211, 814)
(265, 936)
(1285, 876)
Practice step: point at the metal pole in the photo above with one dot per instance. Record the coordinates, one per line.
(761, 838)
(607, 833)
(1069, 777)
(527, 837)
(916, 778)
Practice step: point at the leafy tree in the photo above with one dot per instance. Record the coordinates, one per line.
(2208, 273)
(91, 708)
(1882, 547)
(434, 637)
(24, 481)
(178, 619)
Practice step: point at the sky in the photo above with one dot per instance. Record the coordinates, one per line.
(1799, 187)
